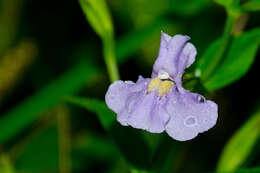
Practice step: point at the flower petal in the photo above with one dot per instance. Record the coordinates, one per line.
(170, 49)
(158, 117)
(117, 94)
(189, 115)
(149, 113)
(187, 57)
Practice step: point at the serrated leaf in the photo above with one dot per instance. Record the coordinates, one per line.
(239, 59)
(240, 145)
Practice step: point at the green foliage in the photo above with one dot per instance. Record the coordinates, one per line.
(188, 7)
(132, 41)
(207, 56)
(94, 146)
(253, 5)
(97, 14)
(89, 146)
(105, 115)
(240, 145)
(45, 144)
(228, 3)
(5, 164)
(165, 155)
(239, 58)
(33, 107)
(118, 148)
(247, 170)
(139, 156)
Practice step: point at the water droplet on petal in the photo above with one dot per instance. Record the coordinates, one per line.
(190, 121)
(201, 99)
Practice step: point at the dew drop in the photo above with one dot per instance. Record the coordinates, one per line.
(201, 99)
(190, 121)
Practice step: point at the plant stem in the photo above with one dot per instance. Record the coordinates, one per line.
(5, 164)
(222, 48)
(109, 55)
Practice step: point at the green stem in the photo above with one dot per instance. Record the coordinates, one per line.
(222, 48)
(5, 164)
(110, 58)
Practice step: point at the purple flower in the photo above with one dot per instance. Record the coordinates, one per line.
(161, 103)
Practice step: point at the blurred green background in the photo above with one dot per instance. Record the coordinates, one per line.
(57, 59)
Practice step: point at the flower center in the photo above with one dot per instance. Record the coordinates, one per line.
(162, 84)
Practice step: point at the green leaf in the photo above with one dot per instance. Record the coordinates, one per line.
(206, 58)
(45, 144)
(240, 145)
(165, 155)
(5, 164)
(228, 3)
(188, 7)
(128, 140)
(105, 115)
(98, 15)
(247, 170)
(253, 5)
(95, 146)
(33, 107)
(239, 59)
(131, 42)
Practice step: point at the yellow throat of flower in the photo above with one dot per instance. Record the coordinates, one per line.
(162, 87)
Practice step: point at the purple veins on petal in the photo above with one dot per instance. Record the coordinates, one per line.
(161, 103)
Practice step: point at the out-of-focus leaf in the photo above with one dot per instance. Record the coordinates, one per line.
(5, 164)
(188, 7)
(105, 115)
(228, 3)
(10, 73)
(240, 145)
(32, 108)
(132, 145)
(239, 58)
(97, 14)
(207, 57)
(253, 5)
(10, 13)
(131, 42)
(164, 156)
(247, 170)
(95, 146)
(45, 144)
(128, 140)
(41, 153)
